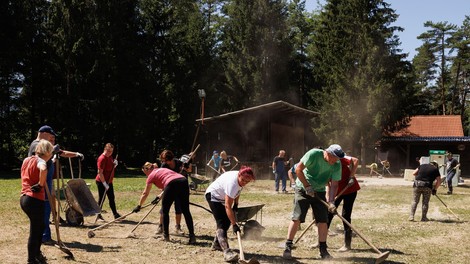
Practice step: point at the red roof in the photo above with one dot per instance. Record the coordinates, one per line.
(432, 126)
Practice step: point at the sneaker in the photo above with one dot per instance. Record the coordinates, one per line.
(100, 217)
(178, 230)
(411, 218)
(159, 230)
(424, 219)
(116, 216)
(230, 255)
(287, 251)
(192, 240)
(449, 192)
(344, 248)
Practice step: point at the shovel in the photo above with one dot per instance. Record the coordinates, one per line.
(242, 256)
(59, 243)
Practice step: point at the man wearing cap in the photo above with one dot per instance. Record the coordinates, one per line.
(314, 171)
(47, 133)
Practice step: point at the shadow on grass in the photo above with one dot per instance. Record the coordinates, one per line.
(449, 221)
(86, 247)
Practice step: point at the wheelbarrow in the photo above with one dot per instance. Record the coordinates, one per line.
(251, 228)
(80, 202)
(198, 182)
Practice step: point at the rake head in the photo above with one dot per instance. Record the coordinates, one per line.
(382, 257)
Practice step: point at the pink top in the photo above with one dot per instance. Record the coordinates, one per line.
(161, 177)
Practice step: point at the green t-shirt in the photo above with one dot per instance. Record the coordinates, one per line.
(317, 170)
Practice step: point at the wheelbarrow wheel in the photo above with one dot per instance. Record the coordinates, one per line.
(73, 217)
(252, 229)
(193, 186)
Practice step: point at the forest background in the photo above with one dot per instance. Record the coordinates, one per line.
(129, 72)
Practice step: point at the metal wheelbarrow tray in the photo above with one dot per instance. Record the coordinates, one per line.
(80, 198)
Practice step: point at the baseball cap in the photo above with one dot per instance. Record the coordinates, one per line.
(336, 151)
(215, 152)
(47, 129)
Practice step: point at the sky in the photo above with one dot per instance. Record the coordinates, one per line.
(414, 13)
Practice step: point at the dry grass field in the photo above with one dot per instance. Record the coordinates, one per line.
(380, 214)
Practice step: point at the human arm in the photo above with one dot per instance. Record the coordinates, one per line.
(221, 165)
(436, 185)
(42, 178)
(71, 154)
(291, 177)
(353, 168)
(333, 188)
(229, 202)
(102, 178)
(143, 197)
(299, 171)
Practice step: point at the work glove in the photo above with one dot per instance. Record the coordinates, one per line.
(434, 192)
(136, 209)
(309, 191)
(116, 162)
(36, 188)
(351, 181)
(79, 155)
(156, 200)
(236, 229)
(106, 186)
(235, 207)
(56, 149)
(332, 208)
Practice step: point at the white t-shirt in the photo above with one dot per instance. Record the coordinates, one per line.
(225, 184)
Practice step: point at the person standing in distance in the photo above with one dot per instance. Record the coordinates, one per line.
(451, 167)
(105, 176)
(279, 170)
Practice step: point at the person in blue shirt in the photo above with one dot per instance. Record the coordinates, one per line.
(214, 163)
